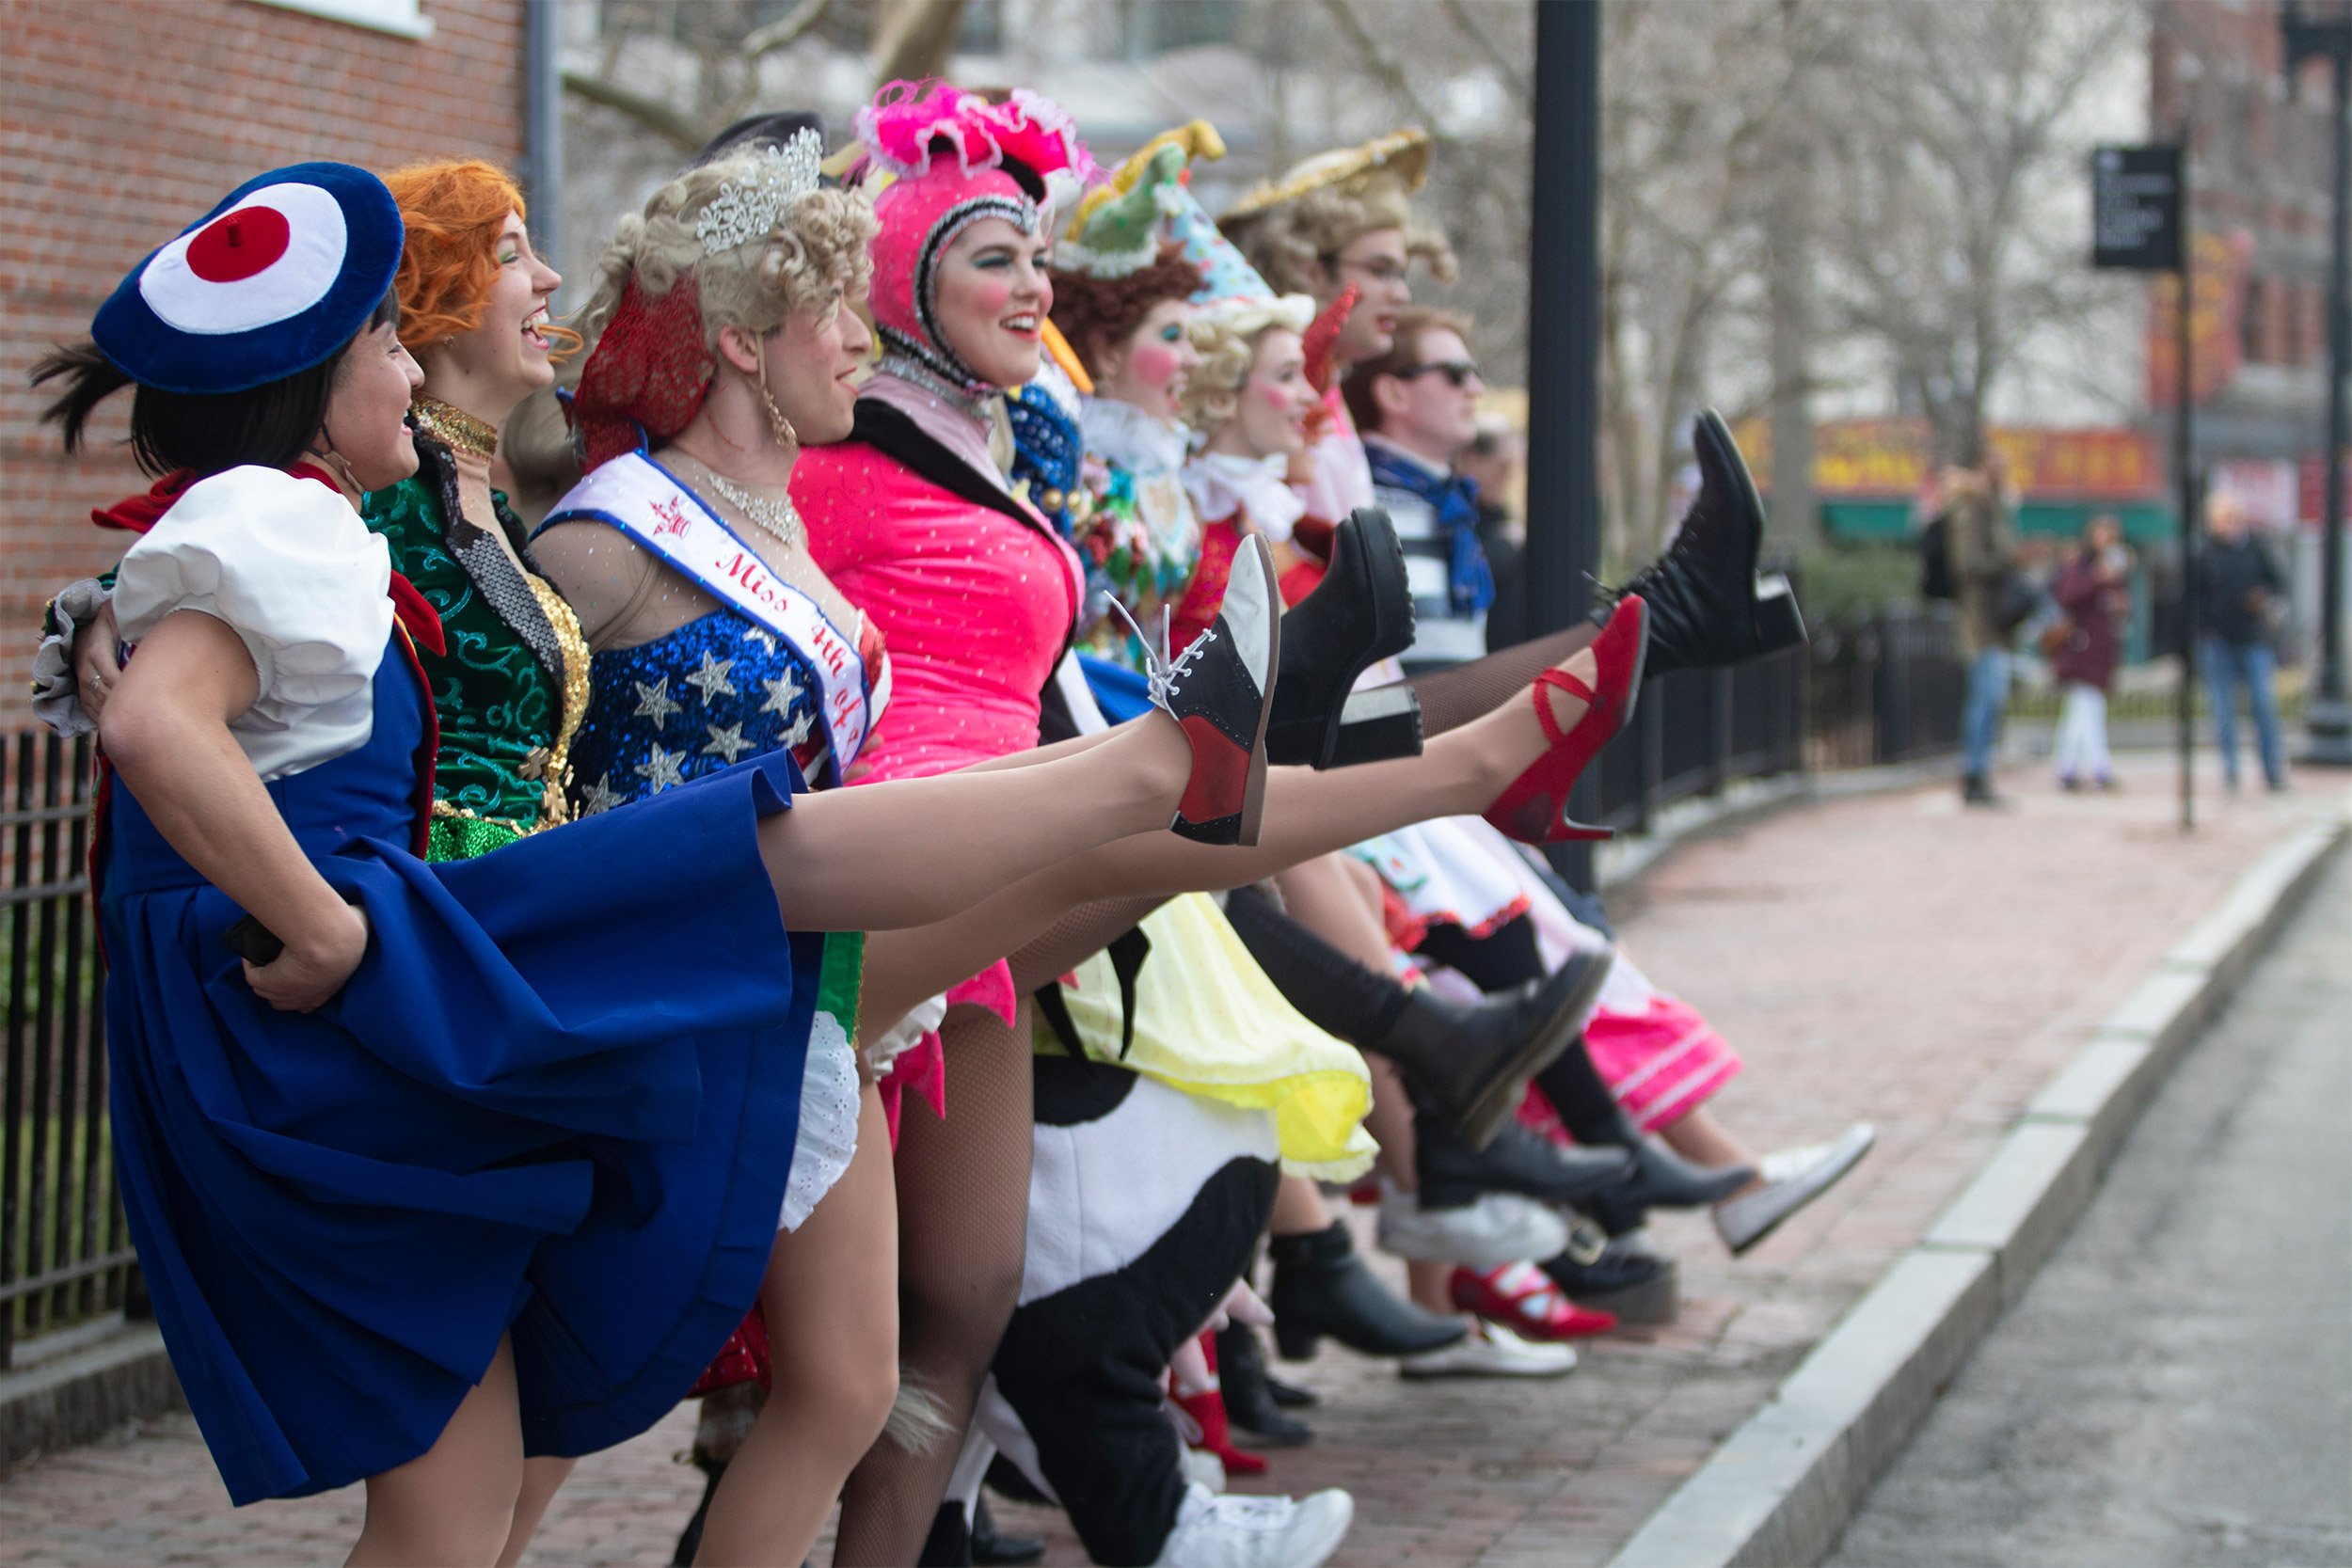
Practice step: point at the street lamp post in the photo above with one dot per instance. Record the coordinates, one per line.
(2326, 715)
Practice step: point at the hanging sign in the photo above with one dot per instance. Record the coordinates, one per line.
(2136, 208)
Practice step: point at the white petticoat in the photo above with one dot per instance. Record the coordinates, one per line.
(828, 1133)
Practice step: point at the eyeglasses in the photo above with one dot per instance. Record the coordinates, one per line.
(1458, 371)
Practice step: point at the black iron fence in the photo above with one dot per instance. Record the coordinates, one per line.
(65, 1252)
(1888, 689)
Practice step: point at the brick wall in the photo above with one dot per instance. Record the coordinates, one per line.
(123, 120)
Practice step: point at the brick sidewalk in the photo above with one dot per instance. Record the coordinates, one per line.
(1886, 958)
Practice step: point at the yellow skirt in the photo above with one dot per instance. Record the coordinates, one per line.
(1208, 1022)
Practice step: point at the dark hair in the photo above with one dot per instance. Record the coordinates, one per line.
(759, 132)
(1097, 313)
(1413, 323)
(271, 425)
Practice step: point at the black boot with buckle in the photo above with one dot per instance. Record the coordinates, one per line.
(1250, 1405)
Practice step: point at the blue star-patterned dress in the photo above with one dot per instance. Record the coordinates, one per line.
(714, 691)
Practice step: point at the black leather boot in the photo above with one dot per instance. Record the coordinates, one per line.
(690, 1540)
(1469, 1062)
(990, 1550)
(1620, 1275)
(1660, 1178)
(1520, 1160)
(1706, 606)
(1257, 1421)
(1360, 614)
(1321, 1287)
(949, 1543)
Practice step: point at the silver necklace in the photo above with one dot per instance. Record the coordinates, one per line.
(779, 517)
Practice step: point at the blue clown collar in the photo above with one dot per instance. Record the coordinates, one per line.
(282, 273)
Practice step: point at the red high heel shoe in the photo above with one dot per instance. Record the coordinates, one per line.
(1535, 809)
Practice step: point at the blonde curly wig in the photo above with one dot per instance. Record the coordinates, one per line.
(1228, 349)
(822, 243)
(1286, 242)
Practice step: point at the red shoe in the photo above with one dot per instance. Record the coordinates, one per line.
(1524, 1299)
(1535, 809)
(1207, 1410)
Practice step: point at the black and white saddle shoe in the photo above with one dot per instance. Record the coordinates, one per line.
(1360, 614)
(1708, 607)
(1218, 690)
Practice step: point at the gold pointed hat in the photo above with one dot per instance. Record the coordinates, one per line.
(1402, 155)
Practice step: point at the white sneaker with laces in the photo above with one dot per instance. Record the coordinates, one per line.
(1792, 1179)
(1498, 1228)
(1491, 1351)
(1256, 1532)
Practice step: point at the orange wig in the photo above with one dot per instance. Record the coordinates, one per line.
(454, 210)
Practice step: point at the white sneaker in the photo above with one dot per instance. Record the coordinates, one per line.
(1256, 1532)
(1491, 1351)
(1204, 1469)
(1499, 1228)
(1792, 1179)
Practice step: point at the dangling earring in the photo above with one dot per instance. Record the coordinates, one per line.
(787, 437)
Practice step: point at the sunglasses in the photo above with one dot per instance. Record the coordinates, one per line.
(1458, 371)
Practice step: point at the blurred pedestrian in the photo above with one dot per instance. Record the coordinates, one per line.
(1491, 462)
(2239, 602)
(2094, 595)
(1980, 542)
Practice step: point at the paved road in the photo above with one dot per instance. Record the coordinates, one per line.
(2176, 1386)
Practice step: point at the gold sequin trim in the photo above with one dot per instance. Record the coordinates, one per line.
(554, 805)
(453, 427)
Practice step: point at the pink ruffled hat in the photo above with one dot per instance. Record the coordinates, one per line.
(948, 151)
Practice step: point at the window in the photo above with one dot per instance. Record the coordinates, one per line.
(383, 16)
(2250, 322)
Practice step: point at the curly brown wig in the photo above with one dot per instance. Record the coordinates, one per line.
(1095, 314)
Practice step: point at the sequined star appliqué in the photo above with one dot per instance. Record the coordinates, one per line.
(726, 740)
(661, 769)
(783, 693)
(654, 702)
(599, 795)
(711, 679)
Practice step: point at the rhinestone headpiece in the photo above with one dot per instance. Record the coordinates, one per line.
(748, 208)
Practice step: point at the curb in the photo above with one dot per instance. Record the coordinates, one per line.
(1782, 1488)
(83, 1394)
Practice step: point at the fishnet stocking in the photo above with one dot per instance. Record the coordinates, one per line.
(1452, 698)
(963, 1197)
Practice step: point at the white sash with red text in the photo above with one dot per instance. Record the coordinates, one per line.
(639, 497)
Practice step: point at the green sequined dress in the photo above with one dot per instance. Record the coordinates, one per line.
(513, 686)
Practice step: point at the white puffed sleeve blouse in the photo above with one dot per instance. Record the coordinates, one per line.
(289, 566)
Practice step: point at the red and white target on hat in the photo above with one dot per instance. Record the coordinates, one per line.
(267, 260)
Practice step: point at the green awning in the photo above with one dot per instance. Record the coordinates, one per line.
(2143, 521)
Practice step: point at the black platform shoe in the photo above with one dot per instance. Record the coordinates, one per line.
(1708, 607)
(1256, 1416)
(1217, 689)
(1468, 1063)
(1360, 614)
(1620, 1275)
(1321, 1287)
(1520, 1160)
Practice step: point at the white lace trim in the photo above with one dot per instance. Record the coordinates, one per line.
(828, 1132)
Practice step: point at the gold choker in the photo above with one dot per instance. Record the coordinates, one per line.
(454, 427)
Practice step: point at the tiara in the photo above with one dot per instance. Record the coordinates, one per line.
(746, 209)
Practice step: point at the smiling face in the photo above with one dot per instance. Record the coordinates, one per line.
(1425, 410)
(365, 409)
(1376, 262)
(505, 359)
(1149, 366)
(992, 296)
(1270, 413)
(811, 358)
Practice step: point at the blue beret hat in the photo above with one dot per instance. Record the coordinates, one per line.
(285, 271)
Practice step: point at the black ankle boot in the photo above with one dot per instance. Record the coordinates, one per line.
(1621, 1275)
(1360, 613)
(990, 1550)
(1520, 1160)
(1321, 1287)
(949, 1543)
(1661, 1179)
(1706, 606)
(1469, 1062)
(1257, 1421)
(690, 1540)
